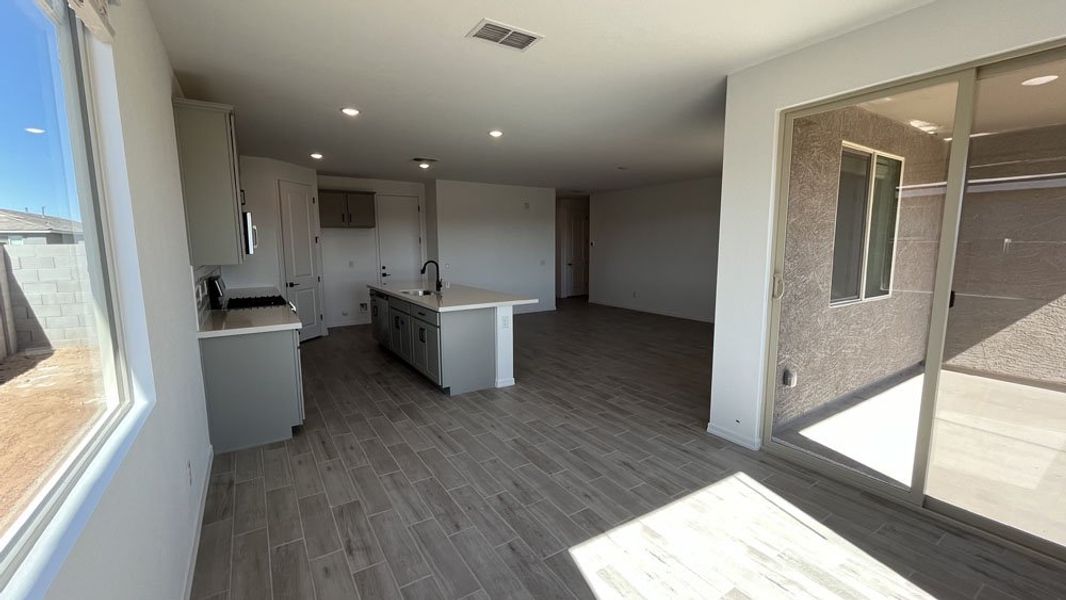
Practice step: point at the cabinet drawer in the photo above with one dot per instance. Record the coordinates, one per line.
(429, 316)
(399, 305)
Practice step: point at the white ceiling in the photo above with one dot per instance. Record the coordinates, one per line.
(614, 83)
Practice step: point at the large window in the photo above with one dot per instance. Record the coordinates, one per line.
(60, 388)
(866, 216)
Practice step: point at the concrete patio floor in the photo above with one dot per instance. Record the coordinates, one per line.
(999, 447)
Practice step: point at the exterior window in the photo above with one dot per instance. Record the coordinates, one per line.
(867, 211)
(61, 391)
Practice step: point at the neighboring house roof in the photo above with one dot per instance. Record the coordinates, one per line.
(17, 222)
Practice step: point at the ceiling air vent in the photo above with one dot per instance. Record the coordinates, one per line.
(503, 35)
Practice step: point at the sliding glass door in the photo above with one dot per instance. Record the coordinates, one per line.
(918, 316)
(856, 272)
(999, 430)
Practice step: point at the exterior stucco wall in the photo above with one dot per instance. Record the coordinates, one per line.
(838, 350)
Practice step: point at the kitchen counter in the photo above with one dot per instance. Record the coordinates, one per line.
(217, 323)
(451, 299)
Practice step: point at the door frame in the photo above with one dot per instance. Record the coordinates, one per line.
(965, 76)
(316, 232)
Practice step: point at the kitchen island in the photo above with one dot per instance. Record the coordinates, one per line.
(461, 338)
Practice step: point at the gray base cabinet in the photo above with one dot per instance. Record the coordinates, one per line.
(379, 317)
(454, 350)
(253, 387)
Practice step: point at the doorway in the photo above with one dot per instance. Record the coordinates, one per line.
(572, 246)
(917, 313)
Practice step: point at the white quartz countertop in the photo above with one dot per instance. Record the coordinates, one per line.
(217, 323)
(452, 298)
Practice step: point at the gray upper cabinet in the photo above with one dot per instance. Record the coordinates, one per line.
(332, 208)
(361, 209)
(207, 151)
(346, 209)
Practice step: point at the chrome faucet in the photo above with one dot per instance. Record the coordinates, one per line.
(439, 284)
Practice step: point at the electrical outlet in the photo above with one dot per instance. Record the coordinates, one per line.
(344, 313)
(634, 294)
(542, 262)
(505, 322)
(351, 264)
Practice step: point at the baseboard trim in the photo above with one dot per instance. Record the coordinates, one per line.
(500, 383)
(730, 436)
(196, 522)
(348, 323)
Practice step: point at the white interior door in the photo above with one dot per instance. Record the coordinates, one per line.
(566, 254)
(573, 247)
(299, 238)
(580, 253)
(399, 238)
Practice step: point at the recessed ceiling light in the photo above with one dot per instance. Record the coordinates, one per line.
(424, 163)
(34, 130)
(351, 112)
(1040, 80)
(496, 133)
(925, 126)
(316, 155)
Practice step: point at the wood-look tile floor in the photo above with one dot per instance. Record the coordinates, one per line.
(592, 477)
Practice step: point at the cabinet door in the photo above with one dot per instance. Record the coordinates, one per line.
(332, 208)
(361, 209)
(208, 164)
(406, 346)
(433, 370)
(395, 327)
(418, 352)
(377, 318)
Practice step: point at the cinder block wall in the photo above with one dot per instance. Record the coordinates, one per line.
(51, 305)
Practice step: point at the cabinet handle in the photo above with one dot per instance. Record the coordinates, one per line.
(422, 334)
(342, 217)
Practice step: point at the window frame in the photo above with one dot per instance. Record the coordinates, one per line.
(873, 153)
(74, 484)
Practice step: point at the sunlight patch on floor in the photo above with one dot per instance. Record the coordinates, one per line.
(732, 539)
(880, 432)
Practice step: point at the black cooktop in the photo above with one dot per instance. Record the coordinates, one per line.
(255, 302)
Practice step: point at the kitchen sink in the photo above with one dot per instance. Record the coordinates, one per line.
(417, 292)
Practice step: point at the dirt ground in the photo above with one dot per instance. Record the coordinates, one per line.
(47, 400)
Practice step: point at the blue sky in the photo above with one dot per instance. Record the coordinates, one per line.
(34, 169)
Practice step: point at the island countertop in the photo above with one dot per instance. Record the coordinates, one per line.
(452, 298)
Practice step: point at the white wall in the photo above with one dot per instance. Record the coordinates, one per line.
(350, 256)
(498, 237)
(139, 541)
(938, 35)
(655, 248)
(259, 179)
